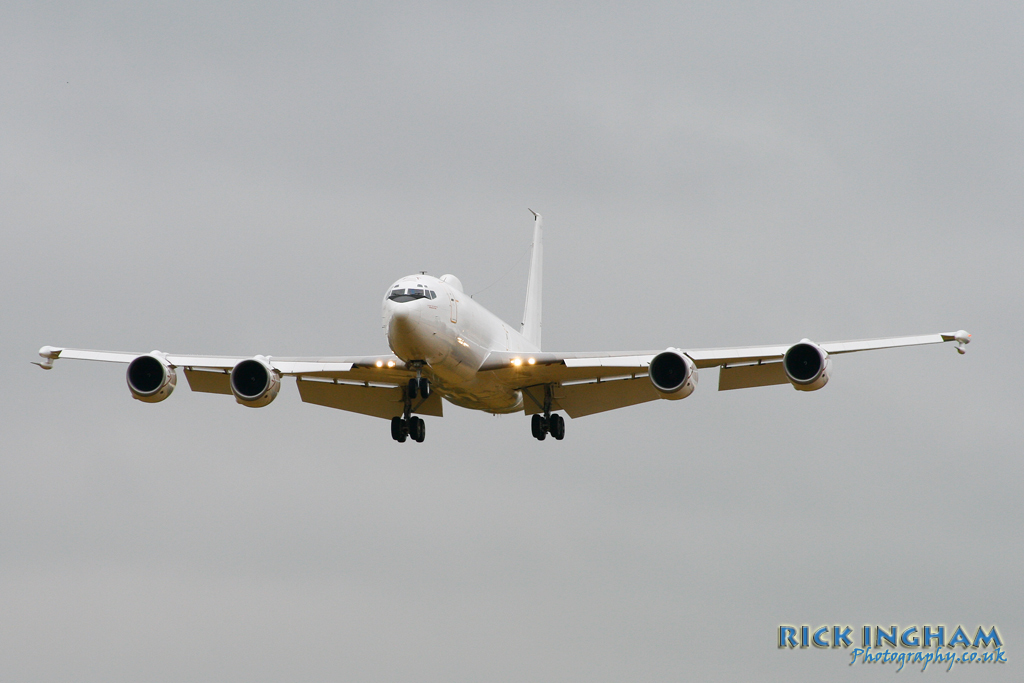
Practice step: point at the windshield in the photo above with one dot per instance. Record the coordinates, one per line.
(403, 295)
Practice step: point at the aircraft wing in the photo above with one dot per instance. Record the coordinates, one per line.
(587, 383)
(384, 367)
(361, 384)
(708, 358)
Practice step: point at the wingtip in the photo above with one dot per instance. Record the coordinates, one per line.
(963, 338)
(48, 354)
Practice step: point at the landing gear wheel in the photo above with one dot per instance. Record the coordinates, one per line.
(538, 427)
(557, 427)
(417, 429)
(399, 430)
(424, 387)
(413, 385)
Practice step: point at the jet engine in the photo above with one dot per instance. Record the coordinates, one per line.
(254, 383)
(673, 374)
(151, 379)
(807, 365)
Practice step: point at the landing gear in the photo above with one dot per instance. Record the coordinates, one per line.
(414, 427)
(548, 423)
(556, 425)
(410, 425)
(399, 430)
(538, 427)
(419, 386)
(417, 429)
(541, 426)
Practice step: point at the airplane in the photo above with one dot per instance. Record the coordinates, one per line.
(445, 344)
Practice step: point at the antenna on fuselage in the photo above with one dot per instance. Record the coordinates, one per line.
(531, 314)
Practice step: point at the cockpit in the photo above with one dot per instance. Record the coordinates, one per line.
(400, 295)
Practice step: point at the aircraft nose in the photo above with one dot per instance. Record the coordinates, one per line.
(402, 321)
(406, 332)
(405, 313)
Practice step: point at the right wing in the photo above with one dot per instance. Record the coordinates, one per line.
(322, 366)
(370, 385)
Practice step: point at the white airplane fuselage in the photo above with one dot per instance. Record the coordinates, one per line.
(451, 334)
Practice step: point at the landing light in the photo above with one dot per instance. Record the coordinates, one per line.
(391, 363)
(532, 361)
(517, 361)
(380, 364)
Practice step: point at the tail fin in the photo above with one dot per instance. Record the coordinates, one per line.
(531, 314)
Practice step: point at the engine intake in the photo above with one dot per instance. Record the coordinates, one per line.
(673, 374)
(254, 383)
(151, 379)
(807, 366)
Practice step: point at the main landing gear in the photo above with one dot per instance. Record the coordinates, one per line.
(410, 425)
(402, 428)
(553, 424)
(548, 423)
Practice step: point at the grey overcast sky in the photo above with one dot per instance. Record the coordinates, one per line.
(240, 178)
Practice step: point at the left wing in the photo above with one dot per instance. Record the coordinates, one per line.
(587, 383)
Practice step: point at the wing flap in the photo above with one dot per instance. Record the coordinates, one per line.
(208, 382)
(709, 358)
(746, 376)
(383, 402)
(587, 398)
(579, 400)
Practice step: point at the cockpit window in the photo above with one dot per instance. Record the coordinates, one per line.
(403, 295)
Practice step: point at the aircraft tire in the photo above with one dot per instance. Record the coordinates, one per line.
(398, 429)
(424, 387)
(413, 384)
(537, 426)
(557, 427)
(417, 429)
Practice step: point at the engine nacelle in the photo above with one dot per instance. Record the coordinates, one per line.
(673, 374)
(254, 383)
(807, 365)
(151, 378)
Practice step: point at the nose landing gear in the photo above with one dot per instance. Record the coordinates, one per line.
(419, 386)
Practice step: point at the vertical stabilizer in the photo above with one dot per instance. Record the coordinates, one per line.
(531, 314)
